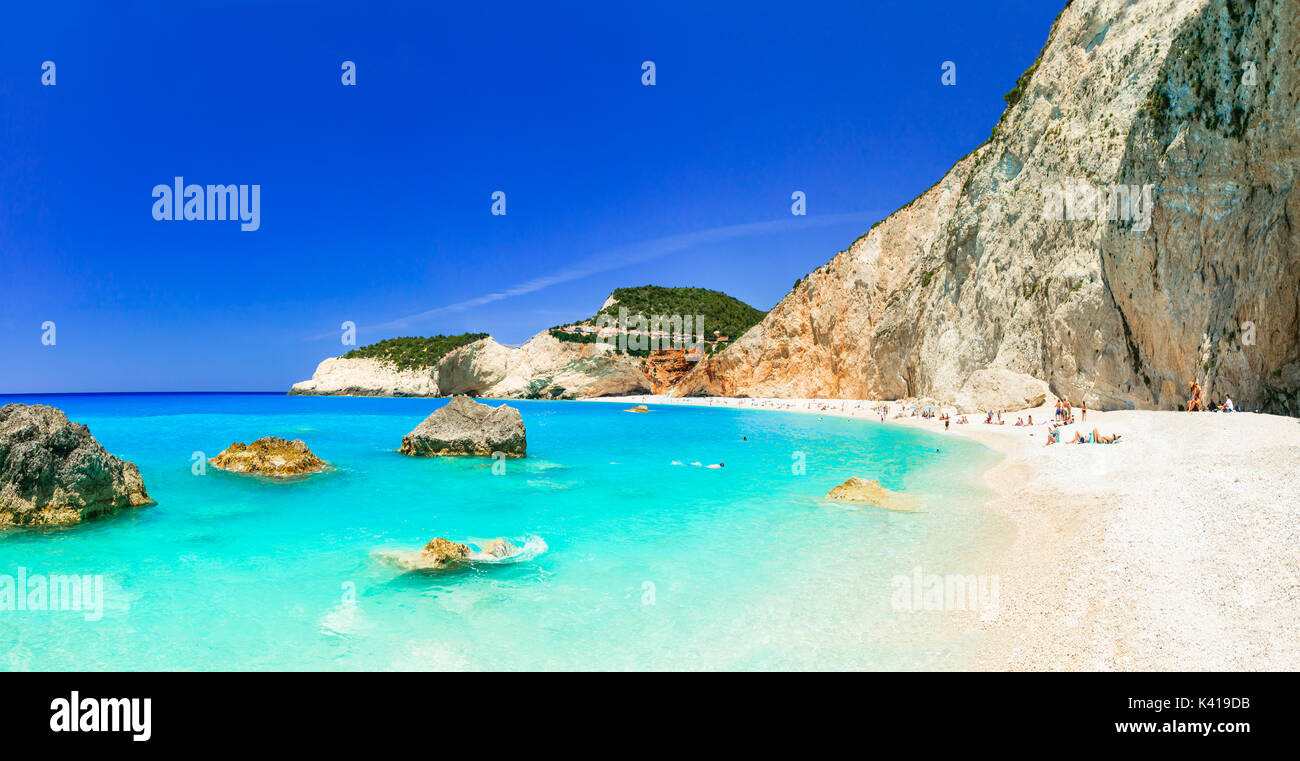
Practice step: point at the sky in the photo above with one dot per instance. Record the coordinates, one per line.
(376, 198)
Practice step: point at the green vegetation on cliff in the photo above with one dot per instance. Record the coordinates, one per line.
(728, 316)
(409, 352)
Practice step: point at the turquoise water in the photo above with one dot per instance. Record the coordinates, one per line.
(647, 565)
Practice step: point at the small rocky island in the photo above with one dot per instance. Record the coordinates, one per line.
(269, 456)
(466, 427)
(871, 492)
(441, 553)
(53, 472)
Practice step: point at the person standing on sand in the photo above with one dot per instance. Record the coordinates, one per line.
(1083, 411)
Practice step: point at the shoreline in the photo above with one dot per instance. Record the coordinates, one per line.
(1172, 549)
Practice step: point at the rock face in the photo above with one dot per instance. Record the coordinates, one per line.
(338, 376)
(871, 492)
(465, 427)
(543, 368)
(1028, 258)
(665, 368)
(52, 471)
(269, 456)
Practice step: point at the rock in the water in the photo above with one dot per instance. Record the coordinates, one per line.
(52, 471)
(439, 553)
(269, 456)
(465, 427)
(498, 548)
(638, 408)
(871, 492)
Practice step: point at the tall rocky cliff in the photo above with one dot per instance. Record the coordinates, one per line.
(1130, 226)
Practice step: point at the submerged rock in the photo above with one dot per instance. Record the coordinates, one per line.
(871, 492)
(466, 427)
(52, 471)
(269, 456)
(638, 408)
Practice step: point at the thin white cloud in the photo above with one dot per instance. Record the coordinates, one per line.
(615, 259)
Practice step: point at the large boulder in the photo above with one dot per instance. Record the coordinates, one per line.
(52, 471)
(466, 427)
(269, 456)
(1001, 390)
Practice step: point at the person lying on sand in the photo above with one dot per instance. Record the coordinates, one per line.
(1053, 436)
(1097, 438)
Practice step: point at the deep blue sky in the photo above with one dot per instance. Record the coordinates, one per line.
(376, 198)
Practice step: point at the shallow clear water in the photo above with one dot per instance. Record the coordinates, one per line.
(648, 565)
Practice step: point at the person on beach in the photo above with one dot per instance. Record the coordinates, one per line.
(1053, 436)
(1097, 438)
(1083, 411)
(1227, 404)
(1195, 403)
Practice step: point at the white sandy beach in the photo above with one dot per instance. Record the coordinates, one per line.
(1173, 549)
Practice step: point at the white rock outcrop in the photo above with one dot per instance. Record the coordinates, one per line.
(339, 376)
(544, 367)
